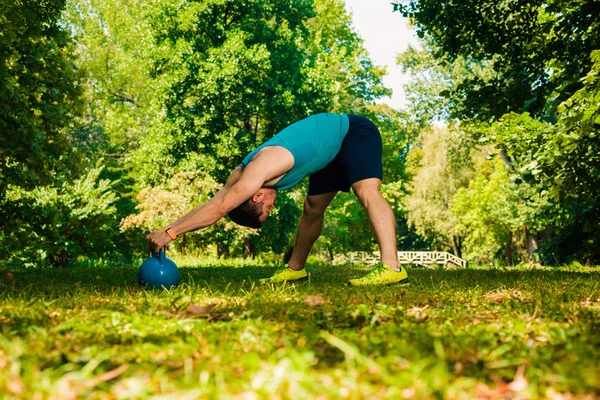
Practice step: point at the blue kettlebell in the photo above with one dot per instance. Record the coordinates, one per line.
(158, 271)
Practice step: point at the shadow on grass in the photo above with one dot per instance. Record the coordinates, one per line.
(232, 278)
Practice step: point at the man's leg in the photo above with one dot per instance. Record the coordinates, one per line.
(389, 271)
(382, 218)
(309, 228)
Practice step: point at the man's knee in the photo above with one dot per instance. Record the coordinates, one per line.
(367, 189)
(312, 209)
(315, 205)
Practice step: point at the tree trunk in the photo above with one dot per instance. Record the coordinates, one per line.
(457, 245)
(509, 251)
(222, 251)
(531, 243)
(249, 248)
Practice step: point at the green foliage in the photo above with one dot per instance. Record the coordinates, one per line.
(231, 75)
(575, 238)
(540, 55)
(442, 163)
(279, 229)
(474, 333)
(498, 217)
(573, 155)
(38, 92)
(462, 201)
(563, 161)
(424, 91)
(46, 142)
(121, 100)
(56, 224)
(530, 87)
(538, 50)
(159, 205)
(346, 227)
(340, 74)
(548, 154)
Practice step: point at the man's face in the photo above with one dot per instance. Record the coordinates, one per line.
(268, 199)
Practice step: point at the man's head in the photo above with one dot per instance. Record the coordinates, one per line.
(254, 211)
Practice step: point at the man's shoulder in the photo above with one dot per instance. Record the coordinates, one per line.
(273, 155)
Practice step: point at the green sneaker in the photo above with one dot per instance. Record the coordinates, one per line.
(382, 274)
(286, 274)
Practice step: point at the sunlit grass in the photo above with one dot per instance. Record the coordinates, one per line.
(488, 333)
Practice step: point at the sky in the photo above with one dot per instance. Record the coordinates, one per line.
(385, 34)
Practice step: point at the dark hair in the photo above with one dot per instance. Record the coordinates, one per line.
(247, 214)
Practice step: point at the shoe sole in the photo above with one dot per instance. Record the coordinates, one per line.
(299, 280)
(403, 282)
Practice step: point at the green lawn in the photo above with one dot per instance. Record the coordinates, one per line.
(476, 333)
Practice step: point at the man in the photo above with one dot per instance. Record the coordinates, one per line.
(338, 152)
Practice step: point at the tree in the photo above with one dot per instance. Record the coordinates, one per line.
(499, 218)
(115, 46)
(572, 157)
(39, 94)
(442, 164)
(536, 102)
(341, 76)
(54, 200)
(538, 50)
(428, 81)
(231, 74)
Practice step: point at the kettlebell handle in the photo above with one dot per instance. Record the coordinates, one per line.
(161, 255)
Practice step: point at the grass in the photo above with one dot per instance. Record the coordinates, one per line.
(475, 333)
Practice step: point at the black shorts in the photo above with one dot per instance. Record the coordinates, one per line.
(359, 158)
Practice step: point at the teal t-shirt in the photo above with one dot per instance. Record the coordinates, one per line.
(314, 142)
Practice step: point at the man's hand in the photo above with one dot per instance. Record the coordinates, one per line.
(157, 240)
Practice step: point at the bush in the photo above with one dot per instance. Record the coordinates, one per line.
(56, 224)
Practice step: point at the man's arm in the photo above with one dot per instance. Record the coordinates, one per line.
(240, 186)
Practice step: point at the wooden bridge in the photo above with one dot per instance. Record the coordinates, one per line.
(422, 258)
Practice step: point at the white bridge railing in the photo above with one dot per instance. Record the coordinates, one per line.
(422, 258)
